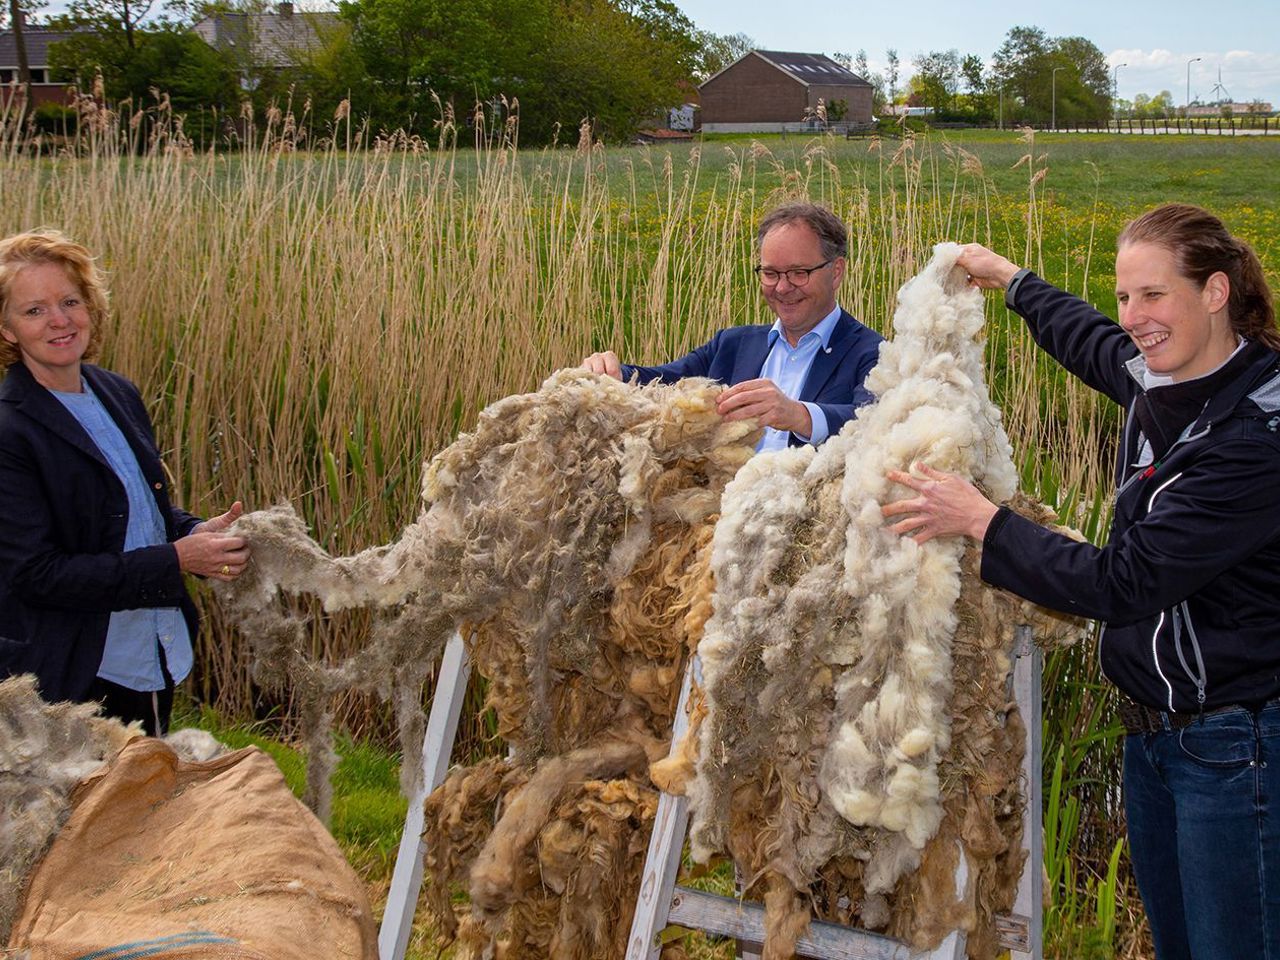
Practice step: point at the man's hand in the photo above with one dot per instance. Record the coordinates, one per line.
(770, 406)
(606, 362)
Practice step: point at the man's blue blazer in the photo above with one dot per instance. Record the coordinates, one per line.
(738, 353)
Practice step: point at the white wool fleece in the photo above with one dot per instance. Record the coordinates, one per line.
(875, 608)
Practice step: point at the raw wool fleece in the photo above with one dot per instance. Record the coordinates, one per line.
(529, 521)
(838, 654)
(568, 536)
(45, 750)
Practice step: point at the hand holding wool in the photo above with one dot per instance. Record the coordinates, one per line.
(947, 506)
(986, 269)
(605, 362)
(763, 400)
(222, 522)
(209, 551)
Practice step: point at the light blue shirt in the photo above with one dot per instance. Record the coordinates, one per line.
(788, 367)
(131, 657)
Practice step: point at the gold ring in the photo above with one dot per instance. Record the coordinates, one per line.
(226, 569)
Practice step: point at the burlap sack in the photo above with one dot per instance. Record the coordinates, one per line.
(167, 859)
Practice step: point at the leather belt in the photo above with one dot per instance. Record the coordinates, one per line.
(1141, 719)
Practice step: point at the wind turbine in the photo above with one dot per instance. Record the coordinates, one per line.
(1225, 96)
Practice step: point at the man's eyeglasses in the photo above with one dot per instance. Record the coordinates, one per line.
(797, 277)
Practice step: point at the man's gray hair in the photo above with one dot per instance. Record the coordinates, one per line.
(830, 229)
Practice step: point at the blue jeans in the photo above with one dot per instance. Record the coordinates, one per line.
(1203, 805)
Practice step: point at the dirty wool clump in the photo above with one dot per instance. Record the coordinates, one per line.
(45, 750)
(561, 537)
(858, 733)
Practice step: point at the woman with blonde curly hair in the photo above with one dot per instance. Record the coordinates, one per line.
(92, 553)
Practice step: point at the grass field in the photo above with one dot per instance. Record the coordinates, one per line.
(310, 326)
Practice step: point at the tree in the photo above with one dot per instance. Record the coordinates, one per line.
(614, 62)
(1145, 107)
(891, 73)
(863, 69)
(937, 79)
(607, 64)
(165, 59)
(1020, 62)
(118, 20)
(972, 69)
(19, 12)
(1024, 67)
(136, 59)
(721, 50)
(1087, 93)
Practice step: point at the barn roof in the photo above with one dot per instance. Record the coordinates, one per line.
(807, 68)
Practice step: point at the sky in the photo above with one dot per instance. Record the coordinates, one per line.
(1153, 40)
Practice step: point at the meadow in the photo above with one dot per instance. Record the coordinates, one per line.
(310, 324)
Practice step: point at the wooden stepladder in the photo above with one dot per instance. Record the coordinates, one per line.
(661, 902)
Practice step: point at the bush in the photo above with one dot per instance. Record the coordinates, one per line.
(55, 118)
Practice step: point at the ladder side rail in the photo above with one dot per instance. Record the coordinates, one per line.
(437, 747)
(666, 846)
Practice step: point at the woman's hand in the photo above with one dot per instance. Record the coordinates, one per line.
(946, 506)
(987, 270)
(207, 551)
(221, 522)
(605, 362)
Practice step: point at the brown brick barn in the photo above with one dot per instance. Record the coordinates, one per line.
(767, 91)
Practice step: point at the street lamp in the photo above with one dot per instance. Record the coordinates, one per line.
(1189, 63)
(1053, 98)
(1115, 89)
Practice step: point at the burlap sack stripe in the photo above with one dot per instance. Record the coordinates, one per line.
(156, 947)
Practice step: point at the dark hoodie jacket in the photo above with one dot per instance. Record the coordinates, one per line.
(1188, 584)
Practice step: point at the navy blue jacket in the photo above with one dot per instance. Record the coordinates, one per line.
(1188, 584)
(738, 353)
(63, 515)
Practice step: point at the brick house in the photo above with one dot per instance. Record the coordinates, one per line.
(38, 42)
(768, 91)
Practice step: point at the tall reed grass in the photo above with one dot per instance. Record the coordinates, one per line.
(310, 325)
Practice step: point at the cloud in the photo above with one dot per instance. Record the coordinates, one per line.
(1246, 74)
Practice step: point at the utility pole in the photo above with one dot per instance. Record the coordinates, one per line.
(1189, 63)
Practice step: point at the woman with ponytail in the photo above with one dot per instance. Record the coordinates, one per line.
(1188, 585)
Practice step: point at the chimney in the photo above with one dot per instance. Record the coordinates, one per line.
(285, 8)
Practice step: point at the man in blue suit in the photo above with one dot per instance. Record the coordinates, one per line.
(802, 376)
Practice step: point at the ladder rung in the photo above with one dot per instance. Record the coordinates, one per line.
(744, 921)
